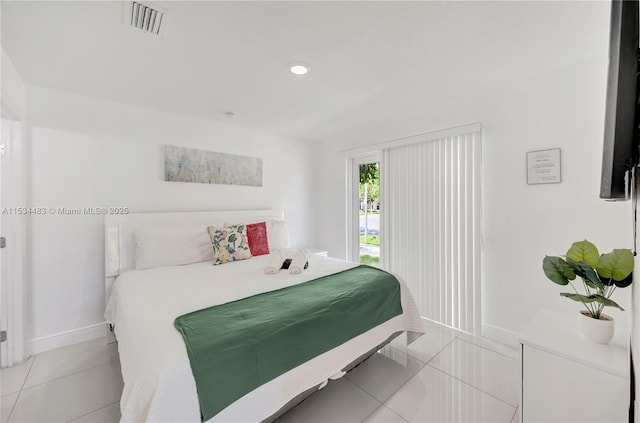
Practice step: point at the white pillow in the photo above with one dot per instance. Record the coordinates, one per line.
(172, 245)
(277, 232)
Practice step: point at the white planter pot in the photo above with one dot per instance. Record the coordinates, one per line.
(597, 330)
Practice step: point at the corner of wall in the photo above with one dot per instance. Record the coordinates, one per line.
(12, 90)
(500, 335)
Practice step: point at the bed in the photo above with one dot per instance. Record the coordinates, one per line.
(143, 304)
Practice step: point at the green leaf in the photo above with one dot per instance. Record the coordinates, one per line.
(578, 270)
(584, 251)
(616, 265)
(232, 238)
(557, 270)
(606, 301)
(590, 276)
(625, 282)
(369, 173)
(576, 267)
(578, 297)
(594, 298)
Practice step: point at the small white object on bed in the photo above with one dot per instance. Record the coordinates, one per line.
(298, 261)
(159, 385)
(274, 263)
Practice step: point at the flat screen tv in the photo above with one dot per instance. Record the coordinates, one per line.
(620, 154)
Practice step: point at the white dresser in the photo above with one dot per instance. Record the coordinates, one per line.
(566, 378)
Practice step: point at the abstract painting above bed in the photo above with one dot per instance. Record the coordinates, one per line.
(183, 164)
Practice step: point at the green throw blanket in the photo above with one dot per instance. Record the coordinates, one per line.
(236, 347)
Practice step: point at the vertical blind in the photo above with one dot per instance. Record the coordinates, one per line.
(432, 224)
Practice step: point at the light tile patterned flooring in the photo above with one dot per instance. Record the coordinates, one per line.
(445, 376)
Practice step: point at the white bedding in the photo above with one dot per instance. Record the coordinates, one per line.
(158, 383)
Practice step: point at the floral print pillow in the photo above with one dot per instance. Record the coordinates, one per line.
(229, 244)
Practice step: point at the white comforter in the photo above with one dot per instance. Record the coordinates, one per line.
(158, 383)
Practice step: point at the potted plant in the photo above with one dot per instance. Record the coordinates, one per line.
(601, 275)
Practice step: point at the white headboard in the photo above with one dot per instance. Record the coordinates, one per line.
(119, 229)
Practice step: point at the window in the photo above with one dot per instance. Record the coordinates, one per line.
(364, 230)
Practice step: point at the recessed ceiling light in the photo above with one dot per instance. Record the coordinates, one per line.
(299, 69)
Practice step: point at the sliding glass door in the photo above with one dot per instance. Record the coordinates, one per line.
(433, 222)
(415, 210)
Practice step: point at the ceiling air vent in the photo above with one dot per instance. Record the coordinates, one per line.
(145, 17)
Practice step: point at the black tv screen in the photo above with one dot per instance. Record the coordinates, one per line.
(620, 152)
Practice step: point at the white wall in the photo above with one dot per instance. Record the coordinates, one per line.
(563, 108)
(13, 94)
(87, 152)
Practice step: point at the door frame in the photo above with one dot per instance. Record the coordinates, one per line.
(353, 206)
(12, 192)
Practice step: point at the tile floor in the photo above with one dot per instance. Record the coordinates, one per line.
(445, 376)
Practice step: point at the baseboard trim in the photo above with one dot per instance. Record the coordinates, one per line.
(500, 335)
(66, 338)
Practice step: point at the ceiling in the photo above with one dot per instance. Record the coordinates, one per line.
(370, 61)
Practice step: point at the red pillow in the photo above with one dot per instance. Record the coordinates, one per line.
(257, 236)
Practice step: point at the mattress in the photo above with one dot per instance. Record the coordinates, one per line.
(158, 382)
